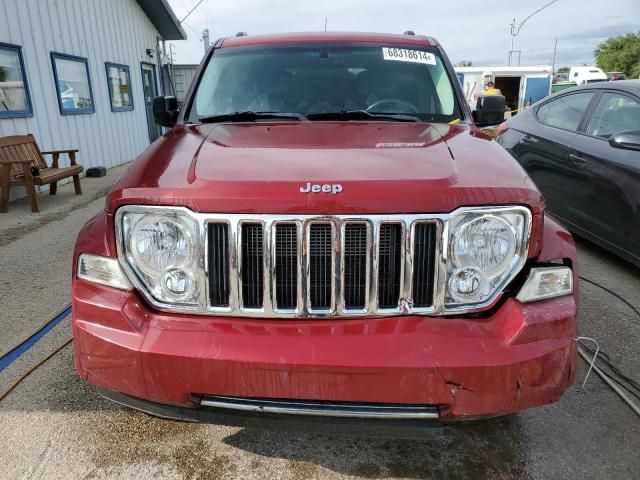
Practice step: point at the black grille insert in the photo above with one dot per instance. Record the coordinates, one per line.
(389, 265)
(355, 265)
(320, 265)
(219, 264)
(424, 257)
(286, 266)
(252, 265)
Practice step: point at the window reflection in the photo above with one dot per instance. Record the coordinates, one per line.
(14, 98)
(119, 87)
(73, 85)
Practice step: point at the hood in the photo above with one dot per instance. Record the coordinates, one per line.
(359, 168)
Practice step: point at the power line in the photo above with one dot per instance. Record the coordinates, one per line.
(191, 11)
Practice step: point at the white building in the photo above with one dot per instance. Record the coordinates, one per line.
(82, 73)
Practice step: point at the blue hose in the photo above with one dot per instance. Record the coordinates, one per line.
(15, 353)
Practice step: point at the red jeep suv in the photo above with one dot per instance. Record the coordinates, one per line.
(325, 231)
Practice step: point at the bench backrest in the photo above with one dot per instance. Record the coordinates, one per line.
(21, 147)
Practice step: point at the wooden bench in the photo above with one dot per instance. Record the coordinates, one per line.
(18, 155)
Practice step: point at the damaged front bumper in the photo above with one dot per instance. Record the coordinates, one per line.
(520, 356)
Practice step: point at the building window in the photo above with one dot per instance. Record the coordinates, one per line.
(119, 82)
(14, 90)
(73, 84)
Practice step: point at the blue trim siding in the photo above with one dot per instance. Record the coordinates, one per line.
(28, 112)
(73, 58)
(107, 65)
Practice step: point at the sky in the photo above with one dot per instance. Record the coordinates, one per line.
(468, 30)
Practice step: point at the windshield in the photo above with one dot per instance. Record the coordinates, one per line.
(325, 78)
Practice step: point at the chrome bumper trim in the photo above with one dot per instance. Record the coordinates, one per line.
(293, 407)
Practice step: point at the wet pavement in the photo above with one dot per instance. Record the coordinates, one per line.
(54, 426)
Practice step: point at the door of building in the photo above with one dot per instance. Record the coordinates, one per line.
(150, 90)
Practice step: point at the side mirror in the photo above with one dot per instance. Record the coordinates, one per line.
(489, 110)
(165, 111)
(626, 140)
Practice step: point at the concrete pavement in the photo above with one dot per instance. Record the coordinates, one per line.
(54, 426)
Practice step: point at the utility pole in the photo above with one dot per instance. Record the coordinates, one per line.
(170, 70)
(553, 64)
(515, 30)
(326, 19)
(205, 39)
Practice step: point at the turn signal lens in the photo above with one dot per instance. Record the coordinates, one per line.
(546, 282)
(102, 270)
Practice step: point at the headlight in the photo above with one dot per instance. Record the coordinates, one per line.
(487, 243)
(157, 242)
(161, 251)
(486, 249)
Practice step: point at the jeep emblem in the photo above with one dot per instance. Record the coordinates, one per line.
(317, 188)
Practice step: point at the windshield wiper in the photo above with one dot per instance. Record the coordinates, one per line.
(362, 115)
(249, 116)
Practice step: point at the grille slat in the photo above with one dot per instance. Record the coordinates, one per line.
(320, 266)
(252, 265)
(423, 264)
(343, 266)
(286, 266)
(219, 264)
(355, 266)
(389, 265)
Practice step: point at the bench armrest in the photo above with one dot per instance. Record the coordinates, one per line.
(56, 156)
(11, 161)
(50, 152)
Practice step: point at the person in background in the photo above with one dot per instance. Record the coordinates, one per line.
(490, 89)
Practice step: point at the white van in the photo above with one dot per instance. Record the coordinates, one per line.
(584, 75)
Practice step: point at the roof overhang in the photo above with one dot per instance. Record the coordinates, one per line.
(163, 18)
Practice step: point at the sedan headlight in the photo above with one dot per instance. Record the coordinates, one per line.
(486, 249)
(160, 250)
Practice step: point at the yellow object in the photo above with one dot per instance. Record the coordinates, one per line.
(492, 91)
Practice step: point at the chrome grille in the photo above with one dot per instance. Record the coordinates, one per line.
(303, 266)
(321, 251)
(219, 262)
(423, 263)
(389, 265)
(252, 265)
(286, 266)
(356, 245)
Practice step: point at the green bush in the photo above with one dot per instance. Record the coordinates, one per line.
(620, 54)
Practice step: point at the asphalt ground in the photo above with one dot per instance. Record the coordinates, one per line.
(54, 426)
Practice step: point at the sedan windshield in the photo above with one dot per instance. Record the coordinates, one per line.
(326, 82)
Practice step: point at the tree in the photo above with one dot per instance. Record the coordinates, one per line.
(563, 70)
(620, 54)
(464, 63)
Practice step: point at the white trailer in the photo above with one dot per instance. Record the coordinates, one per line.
(520, 86)
(584, 75)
